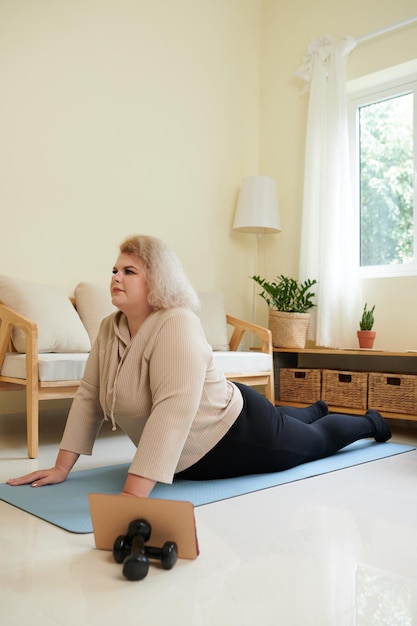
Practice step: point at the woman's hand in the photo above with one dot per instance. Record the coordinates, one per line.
(65, 461)
(40, 478)
(138, 486)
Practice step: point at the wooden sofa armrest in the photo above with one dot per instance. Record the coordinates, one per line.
(241, 326)
(10, 319)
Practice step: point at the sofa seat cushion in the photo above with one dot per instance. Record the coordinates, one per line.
(61, 366)
(243, 362)
(52, 367)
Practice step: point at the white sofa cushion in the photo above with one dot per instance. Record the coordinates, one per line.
(213, 319)
(93, 302)
(52, 366)
(243, 362)
(59, 326)
(70, 366)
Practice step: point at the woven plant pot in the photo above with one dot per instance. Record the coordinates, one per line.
(289, 330)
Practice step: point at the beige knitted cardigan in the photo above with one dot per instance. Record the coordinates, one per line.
(162, 388)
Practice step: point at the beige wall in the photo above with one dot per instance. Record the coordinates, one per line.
(122, 116)
(288, 28)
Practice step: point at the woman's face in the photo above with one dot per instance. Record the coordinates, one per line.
(129, 289)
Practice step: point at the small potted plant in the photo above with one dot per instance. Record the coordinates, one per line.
(289, 301)
(366, 335)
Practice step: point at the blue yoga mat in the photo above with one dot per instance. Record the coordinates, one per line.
(66, 504)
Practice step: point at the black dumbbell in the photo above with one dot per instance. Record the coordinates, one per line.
(131, 550)
(136, 565)
(168, 554)
(122, 546)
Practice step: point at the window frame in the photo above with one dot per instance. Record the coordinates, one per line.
(389, 83)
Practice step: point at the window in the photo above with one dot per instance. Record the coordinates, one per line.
(383, 132)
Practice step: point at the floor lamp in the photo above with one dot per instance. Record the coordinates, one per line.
(258, 213)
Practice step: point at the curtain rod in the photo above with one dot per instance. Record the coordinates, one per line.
(387, 29)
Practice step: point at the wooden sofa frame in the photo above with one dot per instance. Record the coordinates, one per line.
(36, 390)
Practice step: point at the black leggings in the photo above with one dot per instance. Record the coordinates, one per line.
(266, 438)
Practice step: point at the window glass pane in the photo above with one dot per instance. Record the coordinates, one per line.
(386, 181)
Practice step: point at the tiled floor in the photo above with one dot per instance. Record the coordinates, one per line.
(335, 550)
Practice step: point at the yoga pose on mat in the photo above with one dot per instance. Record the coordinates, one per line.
(151, 373)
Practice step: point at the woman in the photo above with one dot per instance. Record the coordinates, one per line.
(151, 372)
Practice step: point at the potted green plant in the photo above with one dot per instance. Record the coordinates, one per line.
(289, 301)
(366, 336)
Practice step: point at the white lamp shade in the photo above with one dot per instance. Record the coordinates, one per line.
(257, 209)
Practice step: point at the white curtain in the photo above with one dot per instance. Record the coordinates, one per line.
(329, 239)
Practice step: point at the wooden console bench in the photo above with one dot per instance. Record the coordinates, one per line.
(347, 360)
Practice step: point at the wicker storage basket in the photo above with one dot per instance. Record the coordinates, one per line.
(393, 392)
(345, 389)
(299, 385)
(289, 330)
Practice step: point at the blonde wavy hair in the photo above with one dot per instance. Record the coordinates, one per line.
(167, 282)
